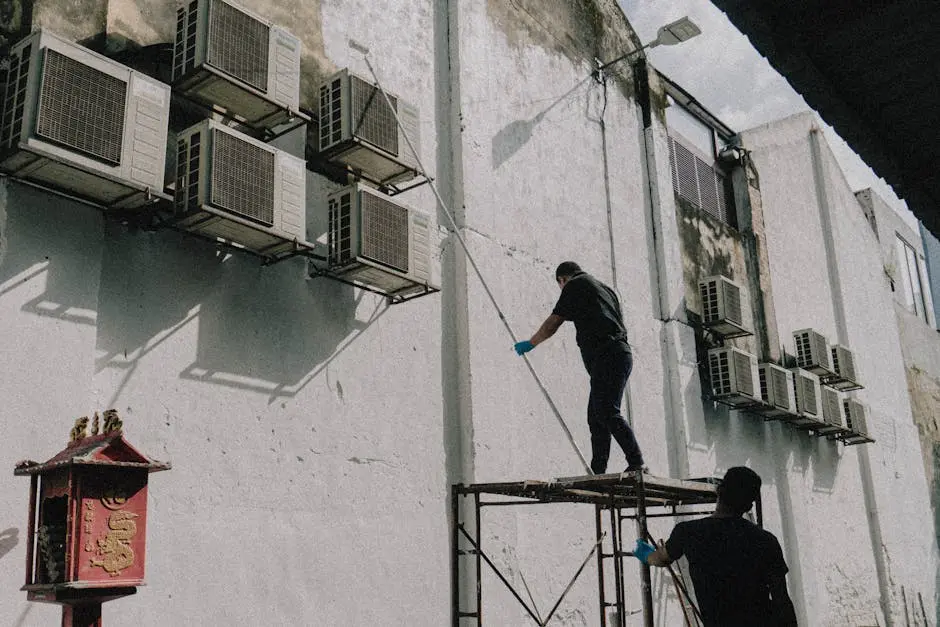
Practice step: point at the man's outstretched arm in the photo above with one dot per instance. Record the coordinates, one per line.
(548, 328)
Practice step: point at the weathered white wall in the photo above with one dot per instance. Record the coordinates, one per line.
(838, 580)
(314, 430)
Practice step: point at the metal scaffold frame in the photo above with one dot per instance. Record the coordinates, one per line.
(616, 498)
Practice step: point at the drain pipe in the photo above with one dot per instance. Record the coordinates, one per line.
(677, 454)
(864, 462)
(455, 326)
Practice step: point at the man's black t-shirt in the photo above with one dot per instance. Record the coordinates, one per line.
(732, 562)
(595, 311)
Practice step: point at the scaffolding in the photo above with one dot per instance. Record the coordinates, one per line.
(616, 498)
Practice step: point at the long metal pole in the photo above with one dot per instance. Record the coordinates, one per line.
(31, 528)
(647, 586)
(365, 55)
(479, 568)
(455, 556)
(618, 565)
(601, 594)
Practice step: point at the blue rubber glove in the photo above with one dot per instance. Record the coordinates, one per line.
(642, 550)
(523, 347)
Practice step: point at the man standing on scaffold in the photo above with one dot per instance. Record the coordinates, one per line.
(595, 310)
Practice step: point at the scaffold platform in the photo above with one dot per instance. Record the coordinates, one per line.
(616, 498)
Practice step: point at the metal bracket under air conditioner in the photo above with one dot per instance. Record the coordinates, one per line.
(396, 297)
(323, 163)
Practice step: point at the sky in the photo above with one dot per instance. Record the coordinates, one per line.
(722, 70)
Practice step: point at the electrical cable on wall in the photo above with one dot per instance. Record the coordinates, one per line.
(365, 55)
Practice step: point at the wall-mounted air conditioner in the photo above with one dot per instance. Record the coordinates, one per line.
(831, 409)
(843, 365)
(734, 378)
(808, 397)
(227, 57)
(378, 243)
(812, 352)
(77, 122)
(856, 416)
(357, 129)
(232, 187)
(776, 390)
(722, 306)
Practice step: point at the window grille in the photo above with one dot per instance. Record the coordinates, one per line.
(699, 183)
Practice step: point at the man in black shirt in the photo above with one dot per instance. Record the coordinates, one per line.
(602, 338)
(737, 568)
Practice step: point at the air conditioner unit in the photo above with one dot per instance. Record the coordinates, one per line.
(856, 416)
(734, 377)
(722, 310)
(812, 352)
(79, 123)
(808, 397)
(831, 410)
(357, 128)
(232, 187)
(226, 56)
(843, 365)
(378, 243)
(776, 390)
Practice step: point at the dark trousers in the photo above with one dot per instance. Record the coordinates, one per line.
(609, 372)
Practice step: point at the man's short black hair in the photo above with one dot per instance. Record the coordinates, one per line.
(567, 268)
(739, 489)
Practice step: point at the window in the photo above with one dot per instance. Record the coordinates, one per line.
(697, 177)
(912, 274)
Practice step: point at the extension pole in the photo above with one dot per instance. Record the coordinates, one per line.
(365, 55)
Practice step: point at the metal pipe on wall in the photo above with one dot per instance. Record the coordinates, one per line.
(864, 462)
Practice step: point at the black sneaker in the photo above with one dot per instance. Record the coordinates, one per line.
(643, 468)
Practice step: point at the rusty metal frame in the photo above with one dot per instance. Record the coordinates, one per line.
(618, 497)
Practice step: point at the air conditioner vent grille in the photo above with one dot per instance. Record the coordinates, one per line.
(720, 373)
(331, 113)
(742, 372)
(710, 306)
(187, 172)
(384, 232)
(778, 381)
(373, 120)
(806, 395)
(340, 228)
(733, 303)
(843, 363)
(14, 98)
(184, 48)
(238, 44)
(242, 177)
(81, 108)
(855, 418)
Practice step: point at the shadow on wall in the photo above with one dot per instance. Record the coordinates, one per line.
(53, 241)
(9, 538)
(517, 133)
(264, 329)
(738, 435)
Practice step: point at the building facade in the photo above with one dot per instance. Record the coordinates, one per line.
(315, 429)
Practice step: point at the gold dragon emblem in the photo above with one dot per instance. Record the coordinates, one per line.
(114, 548)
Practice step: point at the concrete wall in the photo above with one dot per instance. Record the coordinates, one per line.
(315, 431)
(838, 287)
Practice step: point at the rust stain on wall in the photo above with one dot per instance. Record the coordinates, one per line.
(581, 30)
(924, 391)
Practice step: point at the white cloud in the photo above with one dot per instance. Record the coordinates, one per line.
(723, 71)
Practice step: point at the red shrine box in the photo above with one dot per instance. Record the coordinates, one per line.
(88, 518)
